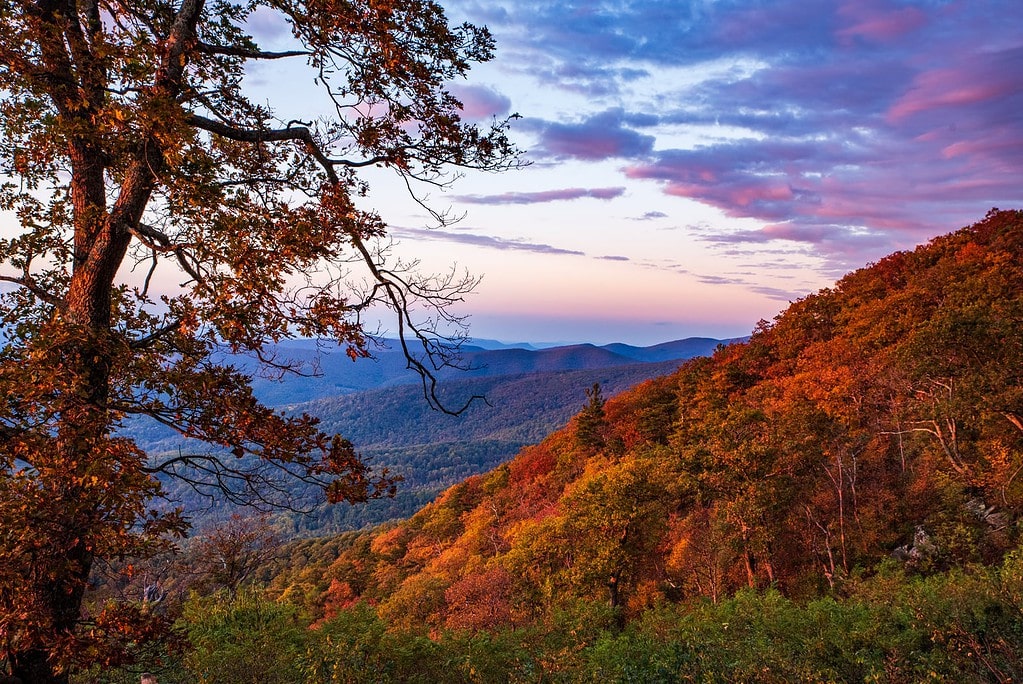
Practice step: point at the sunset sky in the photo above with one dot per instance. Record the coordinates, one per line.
(695, 166)
(698, 165)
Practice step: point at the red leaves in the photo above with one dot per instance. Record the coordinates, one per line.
(481, 600)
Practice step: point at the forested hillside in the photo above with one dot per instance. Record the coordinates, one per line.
(526, 394)
(395, 428)
(839, 499)
(878, 419)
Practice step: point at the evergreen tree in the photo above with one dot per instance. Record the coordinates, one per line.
(591, 423)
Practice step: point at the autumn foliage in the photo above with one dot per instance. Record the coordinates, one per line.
(879, 419)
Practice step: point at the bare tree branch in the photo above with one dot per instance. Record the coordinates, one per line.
(297, 133)
(29, 284)
(235, 51)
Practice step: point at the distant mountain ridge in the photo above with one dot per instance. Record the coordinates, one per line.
(666, 351)
(335, 374)
(379, 405)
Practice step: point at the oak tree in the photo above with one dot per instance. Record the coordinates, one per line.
(156, 214)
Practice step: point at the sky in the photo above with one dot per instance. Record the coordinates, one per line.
(696, 166)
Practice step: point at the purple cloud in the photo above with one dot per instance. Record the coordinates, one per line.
(775, 292)
(605, 135)
(836, 202)
(542, 196)
(864, 125)
(838, 239)
(480, 102)
(906, 154)
(768, 291)
(720, 280)
(481, 241)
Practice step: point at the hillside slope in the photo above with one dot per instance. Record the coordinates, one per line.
(396, 429)
(879, 418)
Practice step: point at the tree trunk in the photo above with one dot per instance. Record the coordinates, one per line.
(82, 429)
(61, 599)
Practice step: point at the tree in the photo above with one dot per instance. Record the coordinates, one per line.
(132, 155)
(229, 553)
(591, 424)
(614, 519)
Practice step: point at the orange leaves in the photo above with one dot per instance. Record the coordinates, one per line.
(788, 461)
(115, 632)
(482, 600)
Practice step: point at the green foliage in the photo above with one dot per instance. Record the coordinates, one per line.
(590, 424)
(356, 647)
(962, 626)
(245, 640)
(955, 627)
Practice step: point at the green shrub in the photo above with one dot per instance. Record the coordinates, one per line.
(247, 639)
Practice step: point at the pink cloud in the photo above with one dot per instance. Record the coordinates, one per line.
(978, 80)
(1004, 142)
(876, 23)
(944, 88)
(480, 102)
(770, 191)
(896, 189)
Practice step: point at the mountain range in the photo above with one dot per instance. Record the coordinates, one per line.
(379, 405)
(332, 373)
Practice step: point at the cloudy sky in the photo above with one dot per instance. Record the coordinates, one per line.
(697, 165)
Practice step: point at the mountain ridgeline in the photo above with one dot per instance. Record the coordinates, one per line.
(378, 404)
(335, 375)
(879, 421)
